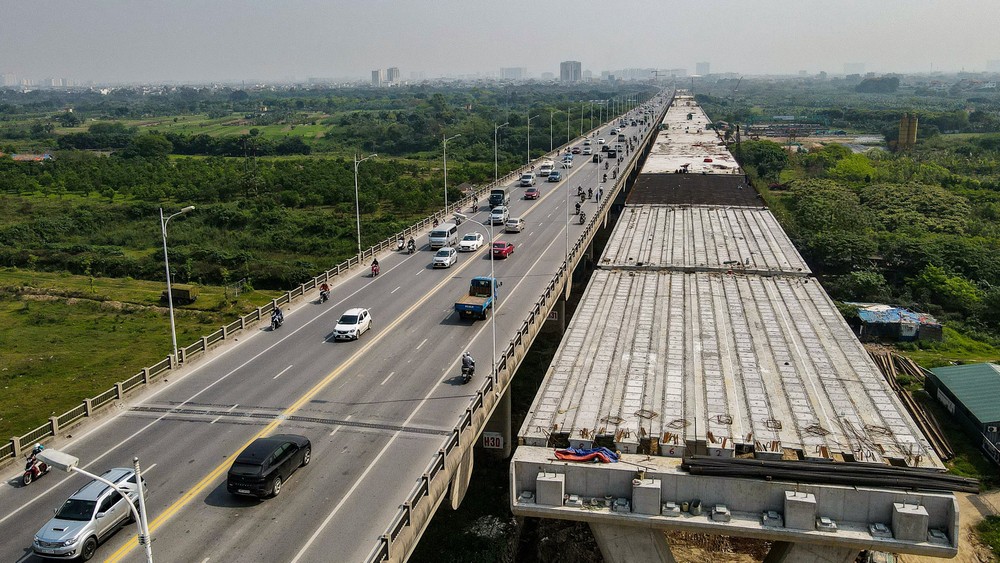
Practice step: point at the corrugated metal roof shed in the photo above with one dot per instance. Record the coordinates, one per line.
(977, 386)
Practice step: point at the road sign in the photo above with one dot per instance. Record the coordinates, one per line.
(553, 315)
(493, 440)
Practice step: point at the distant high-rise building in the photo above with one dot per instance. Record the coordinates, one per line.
(570, 71)
(588, 75)
(392, 75)
(513, 73)
(9, 79)
(993, 66)
(548, 76)
(854, 68)
(378, 77)
(702, 68)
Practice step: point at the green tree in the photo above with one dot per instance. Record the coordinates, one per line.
(767, 157)
(954, 293)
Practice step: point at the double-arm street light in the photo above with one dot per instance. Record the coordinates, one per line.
(496, 166)
(446, 139)
(166, 265)
(70, 464)
(357, 201)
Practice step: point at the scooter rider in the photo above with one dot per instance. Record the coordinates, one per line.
(411, 245)
(400, 243)
(324, 291)
(375, 266)
(468, 363)
(277, 315)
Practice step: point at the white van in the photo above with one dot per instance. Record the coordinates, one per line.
(546, 168)
(527, 179)
(514, 225)
(445, 234)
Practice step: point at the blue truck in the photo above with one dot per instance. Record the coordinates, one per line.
(478, 302)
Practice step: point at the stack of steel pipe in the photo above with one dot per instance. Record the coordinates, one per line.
(830, 473)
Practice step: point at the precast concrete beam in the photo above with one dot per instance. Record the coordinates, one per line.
(626, 544)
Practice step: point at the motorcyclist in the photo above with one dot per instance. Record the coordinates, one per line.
(375, 266)
(579, 190)
(468, 363)
(605, 178)
(411, 245)
(578, 208)
(277, 315)
(324, 291)
(590, 193)
(35, 451)
(400, 243)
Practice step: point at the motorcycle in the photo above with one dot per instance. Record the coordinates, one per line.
(583, 217)
(400, 245)
(276, 322)
(33, 469)
(374, 270)
(467, 373)
(323, 295)
(605, 178)
(411, 247)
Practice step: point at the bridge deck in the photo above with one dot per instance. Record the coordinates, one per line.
(701, 239)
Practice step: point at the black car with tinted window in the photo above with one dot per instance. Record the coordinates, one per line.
(262, 468)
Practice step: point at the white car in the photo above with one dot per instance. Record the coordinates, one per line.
(352, 323)
(445, 257)
(587, 150)
(470, 242)
(601, 141)
(499, 215)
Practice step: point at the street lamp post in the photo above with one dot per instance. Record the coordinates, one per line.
(550, 129)
(69, 463)
(529, 137)
(446, 139)
(496, 166)
(357, 201)
(166, 265)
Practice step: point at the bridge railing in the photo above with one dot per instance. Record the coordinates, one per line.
(467, 430)
(89, 407)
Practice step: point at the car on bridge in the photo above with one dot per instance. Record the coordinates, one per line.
(533, 193)
(576, 150)
(471, 242)
(502, 249)
(91, 514)
(555, 176)
(262, 468)
(352, 324)
(499, 215)
(601, 141)
(587, 151)
(445, 257)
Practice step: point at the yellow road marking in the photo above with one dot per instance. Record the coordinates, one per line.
(157, 522)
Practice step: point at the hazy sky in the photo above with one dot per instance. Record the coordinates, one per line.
(207, 40)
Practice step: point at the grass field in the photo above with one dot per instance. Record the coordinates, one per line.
(52, 326)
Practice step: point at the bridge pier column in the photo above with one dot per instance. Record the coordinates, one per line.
(787, 552)
(460, 481)
(628, 544)
(500, 423)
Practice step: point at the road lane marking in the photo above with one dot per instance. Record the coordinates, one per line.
(281, 372)
(391, 373)
(230, 410)
(337, 429)
(214, 474)
(421, 344)
(395, 290)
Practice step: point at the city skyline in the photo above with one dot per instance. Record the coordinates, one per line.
(229, 41)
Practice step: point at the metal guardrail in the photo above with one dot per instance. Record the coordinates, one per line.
(484, 399)
(12, 449)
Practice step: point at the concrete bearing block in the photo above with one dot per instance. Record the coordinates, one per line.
(909, 522)
(550, 489)
(646, 496)
(800, 510)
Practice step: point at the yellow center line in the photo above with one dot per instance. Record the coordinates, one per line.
(187, 497)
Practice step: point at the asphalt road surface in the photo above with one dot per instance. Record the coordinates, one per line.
(376, 409)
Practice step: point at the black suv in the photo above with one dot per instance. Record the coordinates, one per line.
(266, 463)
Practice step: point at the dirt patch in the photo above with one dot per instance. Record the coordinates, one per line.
(699, 548)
